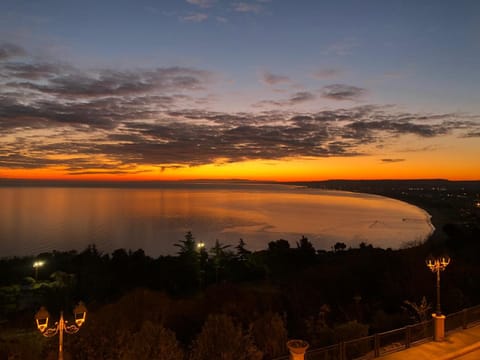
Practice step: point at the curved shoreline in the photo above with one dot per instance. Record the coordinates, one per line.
(428, 216)
(435, 217)
(433, 221)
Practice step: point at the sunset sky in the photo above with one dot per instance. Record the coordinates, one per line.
(254, 89)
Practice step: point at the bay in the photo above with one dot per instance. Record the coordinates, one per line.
(40, 219)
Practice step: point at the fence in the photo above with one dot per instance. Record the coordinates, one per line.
(379, 344)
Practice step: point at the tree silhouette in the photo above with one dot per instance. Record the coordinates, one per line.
(152, 341)
(339, 246)
(188, 273)
(187, 246)
(242, 252)
(220, 257)
(221, 338)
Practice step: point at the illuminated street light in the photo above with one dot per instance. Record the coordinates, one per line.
(61, 326)
(200, 246)
(436, 265)
(37, 264)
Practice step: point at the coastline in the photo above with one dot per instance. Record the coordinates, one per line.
(435, 218)
(438, 219)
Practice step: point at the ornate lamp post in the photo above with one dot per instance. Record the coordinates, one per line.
(436, 265)
(61, 326)
(37, 264)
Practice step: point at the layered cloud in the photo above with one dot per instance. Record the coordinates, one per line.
(112, 121)
(8, 50)
(247, 7)
(342, 92)
(197, 17)
(274, 79)
(202, 3)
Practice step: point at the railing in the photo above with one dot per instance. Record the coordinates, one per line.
(463, 319)
(373, 346)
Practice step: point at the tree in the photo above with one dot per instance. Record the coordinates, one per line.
(350, 330)
(219, 257)
(422, 310)
(188, 273)
(305, 249)
(270, 335)
(242, 252)
(279, 245)
(187, 246)
(319, 334)
(339, 246)
(153, 341)
(222, 339)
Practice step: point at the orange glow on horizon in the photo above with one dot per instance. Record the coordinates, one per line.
(350, 168)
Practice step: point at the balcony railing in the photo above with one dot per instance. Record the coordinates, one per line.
(373, 346)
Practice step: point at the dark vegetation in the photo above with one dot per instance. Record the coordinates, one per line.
(230, 303)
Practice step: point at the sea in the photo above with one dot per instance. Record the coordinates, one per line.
(36, 219)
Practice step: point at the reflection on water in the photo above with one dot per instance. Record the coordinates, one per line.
(37, 219)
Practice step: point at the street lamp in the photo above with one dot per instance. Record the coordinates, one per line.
(37, 264)
(436, 265)
(61, 326)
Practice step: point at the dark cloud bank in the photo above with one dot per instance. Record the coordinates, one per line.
(148, 117)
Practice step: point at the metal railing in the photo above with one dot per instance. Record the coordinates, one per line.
(373, 346)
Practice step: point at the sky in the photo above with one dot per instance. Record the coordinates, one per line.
(256, 89)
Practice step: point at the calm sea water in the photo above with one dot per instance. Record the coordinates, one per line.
(38, 219)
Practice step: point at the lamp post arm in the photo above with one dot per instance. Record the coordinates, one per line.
(51, 332)
(71, 329)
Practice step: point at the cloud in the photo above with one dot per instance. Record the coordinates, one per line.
(198, 17)
(115, 121)
(66, 81)
(8, 50)
(341, 48)
(472, 134)
(399, 127)
(202, 3)
(392, 160)
(221, 19)
(326, 73)
(134, 135)
(342, 92)
(34, 71)
(244, 7)
(294, 99)
(273, 79)
(301, 96)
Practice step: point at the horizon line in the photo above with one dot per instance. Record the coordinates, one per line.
(22, 181)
